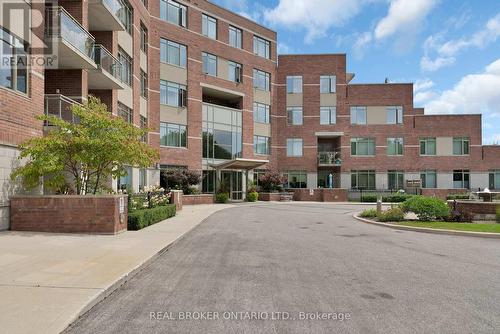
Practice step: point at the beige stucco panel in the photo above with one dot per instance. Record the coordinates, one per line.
(444, 146)
(144, 107)
(294, 100)
(261, 129)
(328, 100)
(143, 61)
(262, 96)
(173, 73)
(126, 43)
(222, 68)
(125, 96)
(174, 115)
(376, 115)
(16, 19)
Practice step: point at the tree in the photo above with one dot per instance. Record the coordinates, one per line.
(87, 153)
(272, 181)
(181, 178)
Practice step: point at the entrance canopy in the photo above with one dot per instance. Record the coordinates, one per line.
(240, 164)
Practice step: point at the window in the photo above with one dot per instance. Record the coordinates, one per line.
(261, 145)
(461, 179)
(327, 115)
(358, 115)
(261, 80)
(261, 113)
(173, 135)
(125, 180)
(209, 64)
(235, 39)
(396, 179)
(494, 179)
(261, 47)
(126, 16)
(125, 113)
(173, 12)
(294, 147)
(328, 84)
(222, 132)
(208, 182)
(295, 179)
(460, 146)
(294, 115)
(257, 173)
(428, 146)
(362, 146)
(144, 38)
(294, 84)
(173, 94)
(14, 56)
(209, 26)
(363, 179)
(144, 84)
(394, 146)
(235, 72)
(144, 125)
(429, 179)
(173, 53)
(126, 68)
(394, 115)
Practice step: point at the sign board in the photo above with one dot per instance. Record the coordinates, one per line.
(122, 205)
(311, 192)
(413, 183)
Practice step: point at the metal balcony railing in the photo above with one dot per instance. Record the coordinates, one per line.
(329, 158)
(106, 61)
(58, 105)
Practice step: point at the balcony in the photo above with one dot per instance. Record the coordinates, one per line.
(107, 74)
(104, 15)
(58, 105)
(329, 159)
(74, 45)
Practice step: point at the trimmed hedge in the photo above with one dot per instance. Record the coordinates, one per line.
(140, 219)
(395, 198)
(426, 208)
(457, 196)
(498, 214)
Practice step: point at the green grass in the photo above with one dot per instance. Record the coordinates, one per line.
(492, 228)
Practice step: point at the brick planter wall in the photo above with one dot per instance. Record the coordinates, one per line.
(197, 199)
(320, 195)
(478, 210)
(269, 197)
(442, 193)
(69, 214)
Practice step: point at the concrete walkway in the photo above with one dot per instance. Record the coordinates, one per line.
(48, 280)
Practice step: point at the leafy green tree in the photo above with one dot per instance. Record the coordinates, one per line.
(81, 157)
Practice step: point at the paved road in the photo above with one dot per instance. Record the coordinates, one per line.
(299, 257)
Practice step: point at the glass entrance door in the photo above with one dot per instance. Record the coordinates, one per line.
(233, 182)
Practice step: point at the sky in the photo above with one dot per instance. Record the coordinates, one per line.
(450, 49)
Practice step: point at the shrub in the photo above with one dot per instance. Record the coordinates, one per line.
(272, 181)
(396, 198)
(498, 214)
(370, 213)
(426, 208)
(457, 196)
(391, 215)
(222, 197)
(252, 196)
(140, 219)
(369, 198)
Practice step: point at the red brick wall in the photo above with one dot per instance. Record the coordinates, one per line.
(197, 199)
(442, 193)
(68, 214)
(475, 208)
(320, 195)
(268, 197)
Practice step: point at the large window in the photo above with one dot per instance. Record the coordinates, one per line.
(363, 179)
(358, 115)
(235, 37)
(144, 125)
(394, 146)
(328, 115)
(235, 72)
(144, 84)
(294, 84)
(494, 179)
(209, 26)
(295, 179)
(173, 53)
(362, 146)
(208, 182)
(294, 147)
(394, 115)
(173, 94)
(427, 146)
(125, 113)
(461, 179)
(222, 133)
(261, 145)
(261, 113)
(173, 12)
(173, 135)
(328, 84)
(126, 68)
(13, 70)
(461, 146)
(144, 38)
(294, 115)
(396, 179)
(126, 16)
(261, 80)
(209, 64)
(261, 47)
(429, 179)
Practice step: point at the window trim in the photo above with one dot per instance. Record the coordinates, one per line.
(332, 84)
(291, 79)
(425, 173)
(357, 140)
(399, 114)
(181, 94)
(205, 67)
(330, 109)
(267, 112)
(368, 172)
(14, 69)
(358, 109)
(425, 140)
(182, 60)
(462, 140)
(205, 30)
(267, 143)
(182, 12)
(237, 30)
(397, 140)
(267, 45)
(267, 78)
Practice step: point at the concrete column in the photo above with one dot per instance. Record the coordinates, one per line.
(245, 185)
(135, 180)
(445, 180)
(312, 180)
(381, 181)
(345, 180)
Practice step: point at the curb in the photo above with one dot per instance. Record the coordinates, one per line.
(430, 230)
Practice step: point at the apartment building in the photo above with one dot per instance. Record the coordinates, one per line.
(216, 97)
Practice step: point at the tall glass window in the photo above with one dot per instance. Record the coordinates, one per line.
(235, 37)
(173, 12)
(429, 179)
(126, 16)
(144, 38)
(261, 145)
(461, 146)
(294, 84)
(494, 179)
(235, 72)
(144, 84)
(294, 147)
(428, 146)
(394, 146)
(358, 115)
(261, 113)
(173, 94)
(126, 68)
(125, 113)
(363, 179)
(294, 115)
(328, 115)
(13, 74)
(261, 47)
(396, 179)
(209, 26)
(295, 179)
(394, 115)
(173, 53)
(328, 84)
(362, 146)
(222, 133)
(173, 135)
(461, 179)
(261, 80)
(209, 64)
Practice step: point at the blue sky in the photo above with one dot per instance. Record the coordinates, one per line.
(450, 49)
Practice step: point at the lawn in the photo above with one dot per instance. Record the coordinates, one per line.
(492, 228)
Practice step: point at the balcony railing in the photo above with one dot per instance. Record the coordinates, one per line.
(329, 158)
(114, 6)
(61, 24)
(106, 61)
(58, 105)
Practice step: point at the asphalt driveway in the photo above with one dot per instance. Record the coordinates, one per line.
(308, 268)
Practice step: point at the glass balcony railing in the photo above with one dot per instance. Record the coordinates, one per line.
(114, 6)
(106, 61)
(329, 158)
(58, 105)
(61, 24)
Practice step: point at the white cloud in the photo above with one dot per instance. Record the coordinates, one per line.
(284, 48)
(403, 13)
(422, 84)
(361, 43)
(446, 52)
